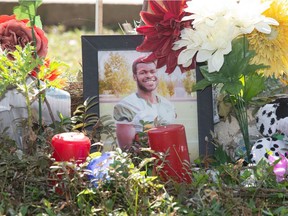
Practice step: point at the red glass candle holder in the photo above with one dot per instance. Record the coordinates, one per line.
(171, 139)
(71, 146)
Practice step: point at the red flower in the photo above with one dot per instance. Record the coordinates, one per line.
(162, 29)
(49, 74)
(16, 32)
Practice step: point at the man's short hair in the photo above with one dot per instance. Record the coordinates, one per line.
(139, 60)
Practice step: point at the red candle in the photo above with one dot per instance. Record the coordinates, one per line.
(172, 138)
(71, 146)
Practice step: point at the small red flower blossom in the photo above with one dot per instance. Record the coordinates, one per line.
(162, 29)
(48, 74)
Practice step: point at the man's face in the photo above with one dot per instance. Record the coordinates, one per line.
(146, 77)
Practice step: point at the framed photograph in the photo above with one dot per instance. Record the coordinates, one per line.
(107, 73)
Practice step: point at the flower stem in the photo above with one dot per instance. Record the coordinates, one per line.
(240, 109)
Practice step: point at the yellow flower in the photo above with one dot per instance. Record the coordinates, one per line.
(272, 49)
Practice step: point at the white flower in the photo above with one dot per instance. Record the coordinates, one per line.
(215, 24)
(208, 11)
(192, 42)
(248, 16)
(210, 44)
(216, 44)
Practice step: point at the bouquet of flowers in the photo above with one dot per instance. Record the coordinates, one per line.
(23, 57)
(241, 42)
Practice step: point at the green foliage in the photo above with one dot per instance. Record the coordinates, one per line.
(35, 185)
(221, 156)
(128, 191)
(254, 85)
(16, 72)
(27, 9)
(236, 67)
(82, 118)
(240, 83)
(95, 127)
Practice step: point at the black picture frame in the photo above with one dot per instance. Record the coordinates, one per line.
(92, 44)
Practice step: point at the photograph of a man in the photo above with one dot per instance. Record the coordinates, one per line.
(144, 104)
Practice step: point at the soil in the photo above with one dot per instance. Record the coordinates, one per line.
(76, 91)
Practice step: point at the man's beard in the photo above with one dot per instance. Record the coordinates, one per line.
(143, 88)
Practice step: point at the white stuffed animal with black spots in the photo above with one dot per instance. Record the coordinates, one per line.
(272, 123)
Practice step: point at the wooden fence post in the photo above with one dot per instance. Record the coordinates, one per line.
(99, 17)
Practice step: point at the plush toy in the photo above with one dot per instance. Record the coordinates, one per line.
(272, 123)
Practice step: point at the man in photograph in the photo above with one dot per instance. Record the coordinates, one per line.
(144, 104)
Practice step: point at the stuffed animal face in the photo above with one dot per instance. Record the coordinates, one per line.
(272, 118)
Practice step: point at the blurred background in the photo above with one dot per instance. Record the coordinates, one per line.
(72, 18)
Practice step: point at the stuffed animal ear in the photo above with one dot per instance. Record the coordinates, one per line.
(282, 109)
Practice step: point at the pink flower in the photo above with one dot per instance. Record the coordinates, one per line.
(16, 32)
(162, 29)
(280, 166)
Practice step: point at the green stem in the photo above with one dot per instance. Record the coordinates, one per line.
(136, 201)
(40, 107)
(29, 110)
(32, 21)
(240, 109)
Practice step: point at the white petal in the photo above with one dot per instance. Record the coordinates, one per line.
(217, 60)
(210, 66)
(185, 57)
(203, 55)
(263, 27)
(228, 48)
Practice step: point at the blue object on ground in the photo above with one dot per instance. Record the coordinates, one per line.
(99, 167)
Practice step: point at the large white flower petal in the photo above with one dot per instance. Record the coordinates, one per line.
(185, 57)
(180, 43)
(188, 39)
(227, 49)
(217, 60)
(264, 26)
(211, 68)
(203, 55)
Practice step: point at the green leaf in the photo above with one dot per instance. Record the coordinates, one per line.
(200, 85)
(28, 10)
(232, 88)
(214, 77)
(236, 66)
(38, 22)
(254, 85)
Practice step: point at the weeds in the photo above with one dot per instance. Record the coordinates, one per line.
(37, 185)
